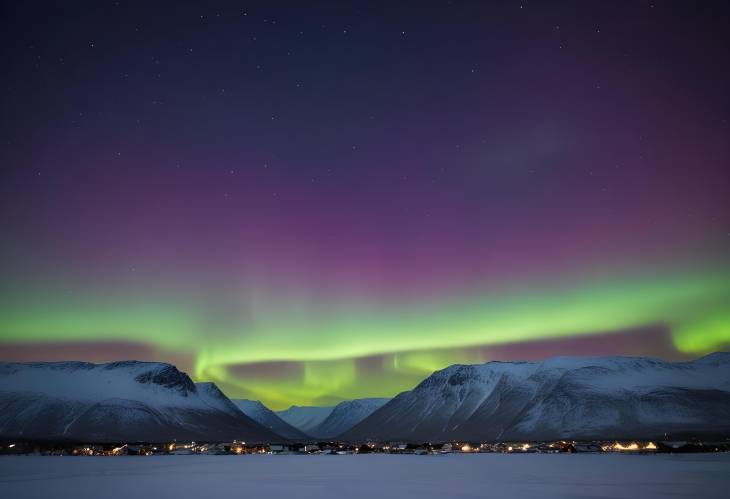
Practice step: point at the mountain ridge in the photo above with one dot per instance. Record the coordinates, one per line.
(305, 417)
(116, 401)
(257, 411)
(559, 397)
(346, 415)
(579, 398)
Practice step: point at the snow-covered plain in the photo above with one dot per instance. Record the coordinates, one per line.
(368, 476)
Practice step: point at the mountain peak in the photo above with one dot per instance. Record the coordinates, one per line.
(165, 375)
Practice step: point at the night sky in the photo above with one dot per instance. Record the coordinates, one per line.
(308, 203)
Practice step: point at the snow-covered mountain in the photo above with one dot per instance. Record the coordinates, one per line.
(268, 418)
(305, 418)
(329, 422)
(118, 401)
(562, 397)
(345, 415)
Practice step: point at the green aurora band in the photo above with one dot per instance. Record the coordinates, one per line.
(327, 342)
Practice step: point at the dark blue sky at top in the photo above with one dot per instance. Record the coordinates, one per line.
(399, 80)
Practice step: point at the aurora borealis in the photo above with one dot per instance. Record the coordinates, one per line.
(312, 203)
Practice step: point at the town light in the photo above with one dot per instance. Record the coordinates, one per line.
(620, 447)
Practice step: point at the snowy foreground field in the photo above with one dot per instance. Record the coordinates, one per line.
(367, 476)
